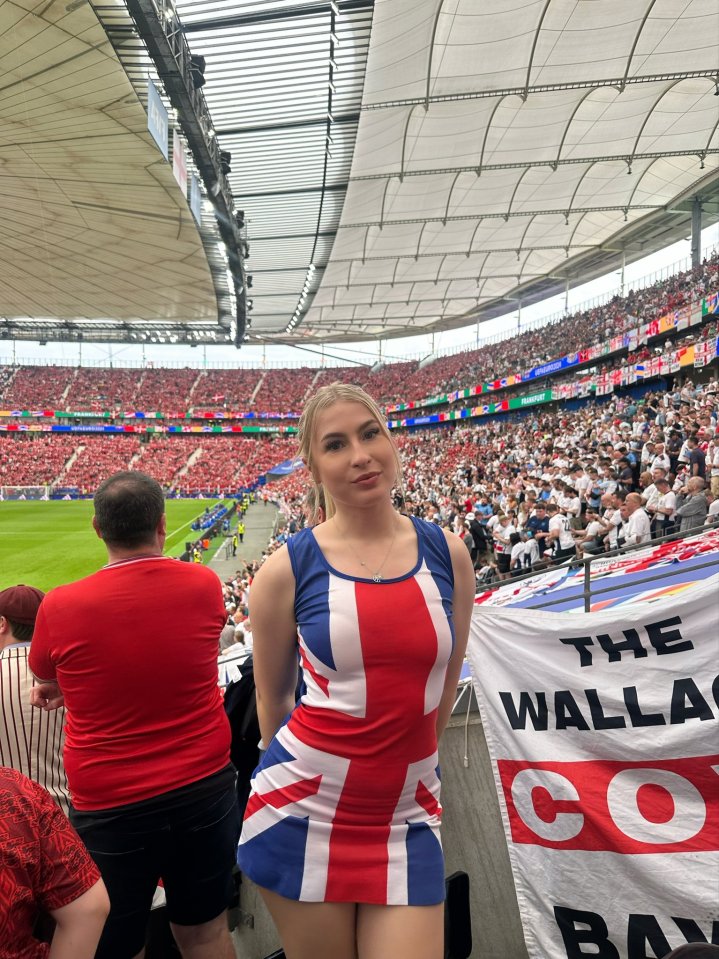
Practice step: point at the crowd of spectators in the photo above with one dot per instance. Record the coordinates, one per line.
(225, 389)
(227, 462)
(166, 457)
(33, 460)
(165, 390)
(36, 387)
(101, 388)
(98, 457)
(551, 485)
(283, 390)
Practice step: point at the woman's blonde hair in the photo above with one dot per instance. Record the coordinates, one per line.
(325, 397)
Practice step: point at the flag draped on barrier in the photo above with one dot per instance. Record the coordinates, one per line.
(603, 730)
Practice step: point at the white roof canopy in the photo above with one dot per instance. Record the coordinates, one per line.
(499, 139)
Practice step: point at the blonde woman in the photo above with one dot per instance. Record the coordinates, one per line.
(341, 831)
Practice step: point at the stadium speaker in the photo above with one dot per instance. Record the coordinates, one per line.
(197, 70)
(240, 219)
(225, 160)
(249, 281)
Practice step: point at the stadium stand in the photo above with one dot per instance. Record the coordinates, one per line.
(37, 386)
(35, 461)
(228, 463)
(228, 389)
(167, 390)
(98, 457)
(282, 390)
(94, 388)
(166, 457)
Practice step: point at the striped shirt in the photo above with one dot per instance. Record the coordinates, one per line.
(31, 740)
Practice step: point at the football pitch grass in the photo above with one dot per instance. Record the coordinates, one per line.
(46, 544)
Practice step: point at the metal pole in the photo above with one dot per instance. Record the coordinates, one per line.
(519, 316)
(566, 295)
(696, 231)
(624, 263)
(587, 586)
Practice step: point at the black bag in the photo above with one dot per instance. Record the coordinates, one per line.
(241, 709)
(457, 919)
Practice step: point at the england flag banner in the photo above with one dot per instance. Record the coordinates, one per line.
(603, 729)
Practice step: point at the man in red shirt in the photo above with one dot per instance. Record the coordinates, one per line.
(45, 867)
(132, 651)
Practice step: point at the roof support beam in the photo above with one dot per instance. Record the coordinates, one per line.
(495, 216)
(328, 188)
(539, 88)
(289, 125)
(520, 165)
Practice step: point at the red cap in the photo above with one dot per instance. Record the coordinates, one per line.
(21, 603)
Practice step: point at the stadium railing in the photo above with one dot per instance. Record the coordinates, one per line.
(590, 590)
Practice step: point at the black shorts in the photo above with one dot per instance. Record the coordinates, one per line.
(187, 838)
(503, 561)
(563, 553)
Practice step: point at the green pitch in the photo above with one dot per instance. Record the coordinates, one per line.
(46, 544)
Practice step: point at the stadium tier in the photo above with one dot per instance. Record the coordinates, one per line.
(218, 431)
(395, 385)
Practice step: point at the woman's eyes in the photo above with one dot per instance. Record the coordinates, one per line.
(334, 445)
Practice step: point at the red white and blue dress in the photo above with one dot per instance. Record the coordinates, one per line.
(345, 802)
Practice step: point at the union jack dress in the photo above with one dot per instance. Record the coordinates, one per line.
(345, 802)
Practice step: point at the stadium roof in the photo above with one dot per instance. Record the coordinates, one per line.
(403, 165)
(500, 140)
(98, 242)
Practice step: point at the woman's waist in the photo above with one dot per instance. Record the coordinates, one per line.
(358, 737)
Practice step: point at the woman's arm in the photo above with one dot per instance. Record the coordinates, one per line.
(462, 606)
(79, 924)
(274, 638)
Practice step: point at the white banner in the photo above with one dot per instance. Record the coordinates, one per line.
(603, 730)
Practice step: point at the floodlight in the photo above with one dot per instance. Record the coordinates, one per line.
(197, 70)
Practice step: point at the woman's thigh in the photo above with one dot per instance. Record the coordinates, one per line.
(314, 930)
(400, 932)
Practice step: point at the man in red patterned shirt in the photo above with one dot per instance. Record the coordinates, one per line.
(45, 867)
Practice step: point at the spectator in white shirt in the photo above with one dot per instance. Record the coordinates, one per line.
(516, 561)
(661, 509)
(635, 526)
(531, 550)
(502, 545)
(591, 539)
(713, 466)
(560, 534)
(661, 459)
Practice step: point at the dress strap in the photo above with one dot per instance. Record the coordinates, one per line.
(303, 554)
(435, 546)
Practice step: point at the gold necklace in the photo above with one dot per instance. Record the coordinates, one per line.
(377, 575)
